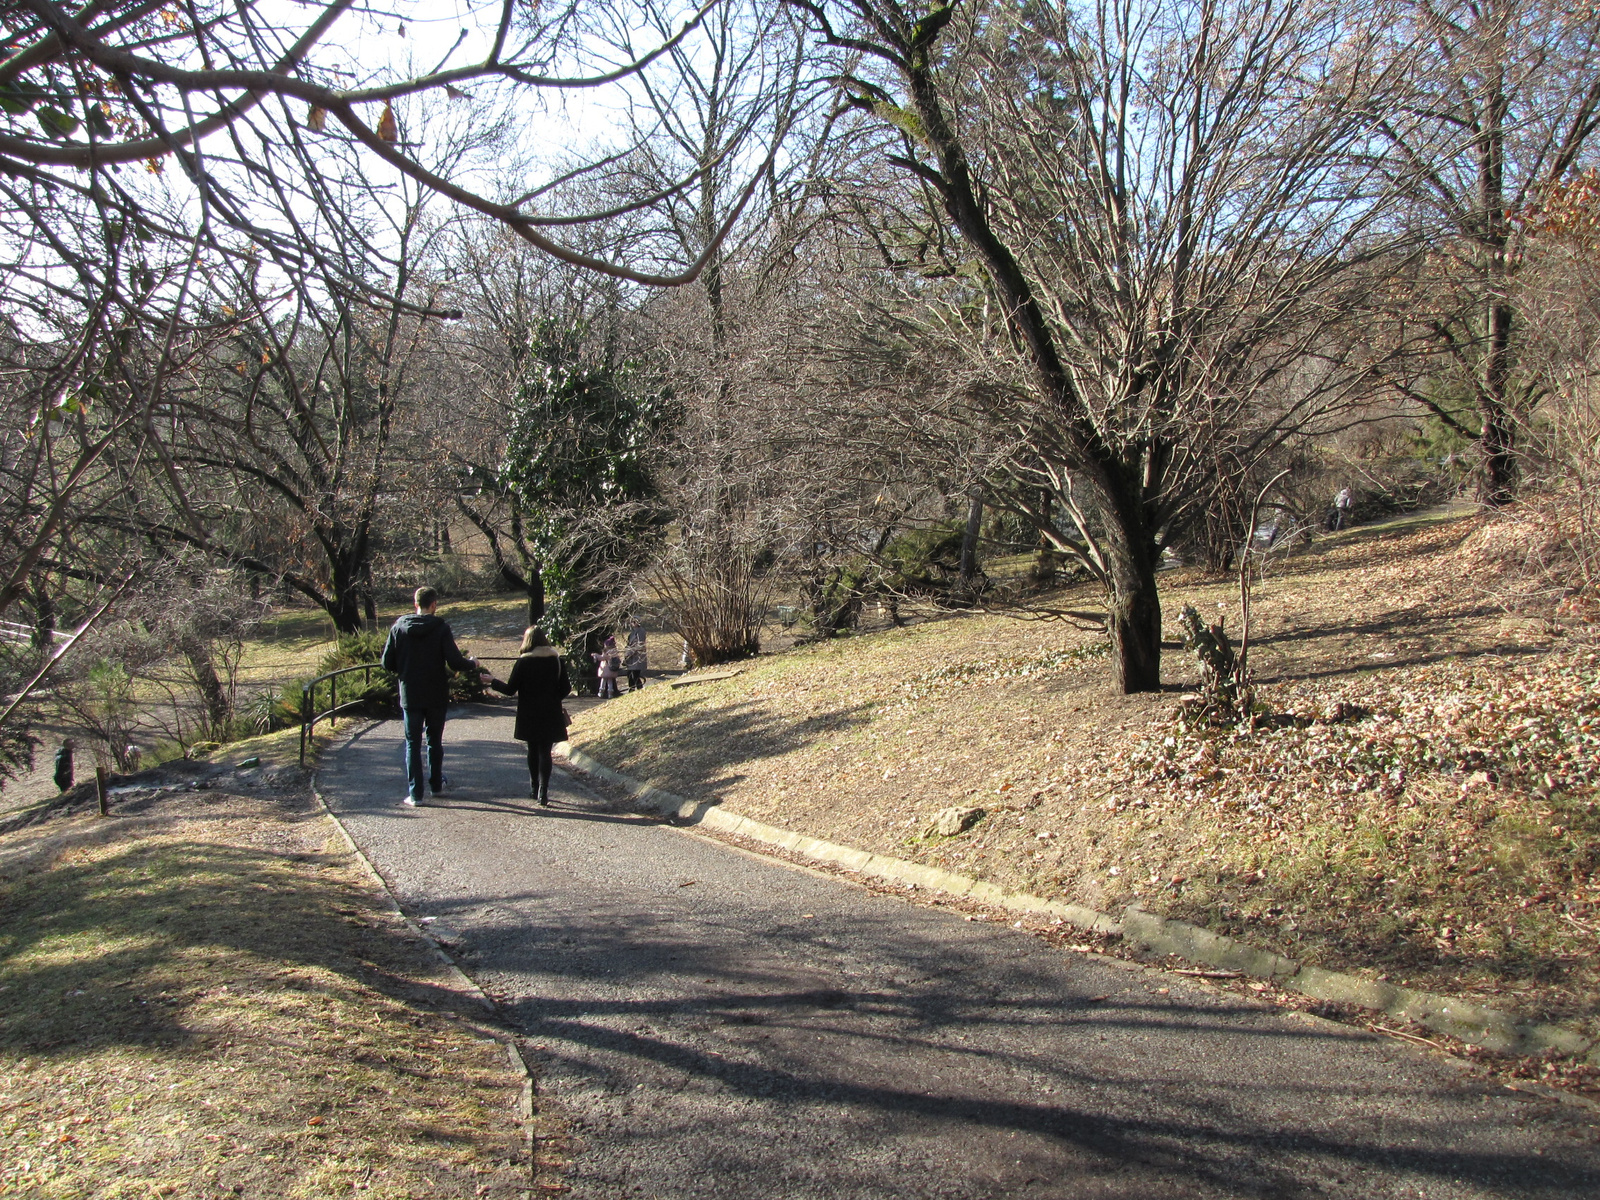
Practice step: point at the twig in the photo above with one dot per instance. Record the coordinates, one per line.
(1198, 974)
(1244, 581)
(1586, 926)
(1410, 1037)
(61, 651)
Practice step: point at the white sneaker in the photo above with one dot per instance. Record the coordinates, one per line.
(410, 801)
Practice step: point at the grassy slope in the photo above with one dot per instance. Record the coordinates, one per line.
(223, 1006)
(1416, 837)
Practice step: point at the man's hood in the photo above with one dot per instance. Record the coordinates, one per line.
(420, 625)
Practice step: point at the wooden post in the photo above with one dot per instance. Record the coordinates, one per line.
(100, 789)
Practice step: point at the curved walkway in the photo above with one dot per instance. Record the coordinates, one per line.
(710, 1023)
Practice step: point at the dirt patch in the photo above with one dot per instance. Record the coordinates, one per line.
(213, 1000)
(1422, 807)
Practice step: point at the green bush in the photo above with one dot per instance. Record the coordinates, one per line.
(270, 710)
(353, 650)
(378, 690)
(923, 561)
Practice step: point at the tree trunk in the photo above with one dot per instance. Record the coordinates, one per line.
(1497, 443)
(535, 587)
(1044, 556)
(1133, 602)
(343, 603)
(369, 599)
(44, 616)
(969, 541)
(219, 712)
(1497, 438)
(1135, 614)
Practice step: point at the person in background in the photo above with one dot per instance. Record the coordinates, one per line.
(64, 766)
(539, 682)
(610, 664)
(636, 661)
(420, 651)
(1342, 504)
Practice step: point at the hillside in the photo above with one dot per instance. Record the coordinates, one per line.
(1419, 804)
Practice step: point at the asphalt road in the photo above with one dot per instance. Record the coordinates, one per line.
(711, 1023)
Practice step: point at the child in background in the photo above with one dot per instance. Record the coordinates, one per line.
(610, 663)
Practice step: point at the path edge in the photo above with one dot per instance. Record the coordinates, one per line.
(1473, 1023)
(465, 983)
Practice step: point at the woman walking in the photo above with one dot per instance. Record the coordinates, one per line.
(538, 681)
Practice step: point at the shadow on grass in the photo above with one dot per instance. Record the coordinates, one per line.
(111, 950)
(733, 734)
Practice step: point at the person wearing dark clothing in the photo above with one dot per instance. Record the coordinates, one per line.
(636, 661)
(420, 651)
(539, 682)
(64, 766)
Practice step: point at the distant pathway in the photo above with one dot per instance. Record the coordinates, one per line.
(713, 1024)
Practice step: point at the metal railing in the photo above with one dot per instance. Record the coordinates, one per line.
(309, 716)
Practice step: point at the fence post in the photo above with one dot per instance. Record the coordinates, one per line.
(100, 789)
(305, 718)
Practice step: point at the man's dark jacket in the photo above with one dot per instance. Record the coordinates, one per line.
(419, 648)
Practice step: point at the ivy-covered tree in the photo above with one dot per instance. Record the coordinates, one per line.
(577, 472)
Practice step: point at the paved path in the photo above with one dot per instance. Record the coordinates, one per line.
(714, 1024)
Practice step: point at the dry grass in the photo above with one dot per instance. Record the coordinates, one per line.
(215, 1002)
(1414, 836)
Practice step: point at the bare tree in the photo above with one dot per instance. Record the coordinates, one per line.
(1166, 203)
(1505, 108)
(153, 82)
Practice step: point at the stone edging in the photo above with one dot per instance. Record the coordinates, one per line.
(1471, 1023)
(463, 981)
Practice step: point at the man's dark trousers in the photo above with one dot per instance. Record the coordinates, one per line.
(420, 652)
(418, 722)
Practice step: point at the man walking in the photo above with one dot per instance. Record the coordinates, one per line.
(419, 649)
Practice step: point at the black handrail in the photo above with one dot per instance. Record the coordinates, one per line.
(308, 697)
(308, 701)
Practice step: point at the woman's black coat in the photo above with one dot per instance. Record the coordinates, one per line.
(538, 681)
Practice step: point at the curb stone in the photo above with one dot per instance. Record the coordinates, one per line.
(1472, 1023)
(464, 982)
